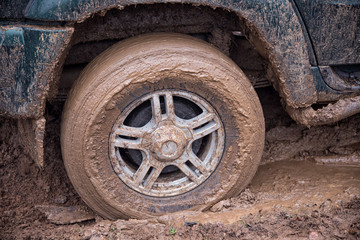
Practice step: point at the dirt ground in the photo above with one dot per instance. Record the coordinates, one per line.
(308, 187)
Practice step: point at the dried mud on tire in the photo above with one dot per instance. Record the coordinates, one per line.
(117, 188)
(294, 198)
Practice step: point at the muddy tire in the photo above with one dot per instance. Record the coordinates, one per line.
(160, 123)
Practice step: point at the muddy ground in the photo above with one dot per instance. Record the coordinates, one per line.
(308, 187)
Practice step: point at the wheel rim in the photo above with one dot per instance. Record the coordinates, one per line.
(166, 143)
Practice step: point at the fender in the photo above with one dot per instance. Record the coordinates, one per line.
(271, 24)
(30, 60)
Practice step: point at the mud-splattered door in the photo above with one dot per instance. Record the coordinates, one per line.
(334, 29)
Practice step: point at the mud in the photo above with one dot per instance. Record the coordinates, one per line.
(32, 132)
(294, 195)
(329, 114)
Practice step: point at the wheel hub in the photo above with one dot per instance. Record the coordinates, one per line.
(167, 143)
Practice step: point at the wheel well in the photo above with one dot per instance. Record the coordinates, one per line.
(219, 27)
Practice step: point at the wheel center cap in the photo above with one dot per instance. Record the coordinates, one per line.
(169, 148)
(167, 143)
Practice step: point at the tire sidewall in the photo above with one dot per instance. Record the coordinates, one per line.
(225, 88)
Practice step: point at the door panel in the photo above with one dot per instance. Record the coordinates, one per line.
(334, 28)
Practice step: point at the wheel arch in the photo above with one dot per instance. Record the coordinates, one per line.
(273, 27)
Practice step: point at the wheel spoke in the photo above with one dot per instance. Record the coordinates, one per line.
(127, 143)
(132, 132)
(189, 173)
(197, 163)
(205, 130)
(169, 106)
(154, 174)
(129, 137)
(141, 172)
(200, 120)
(156, 108)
